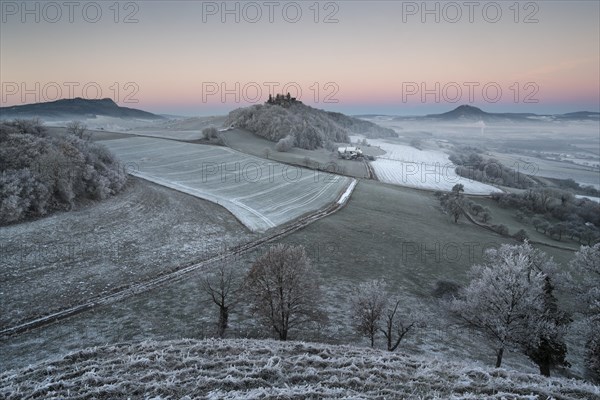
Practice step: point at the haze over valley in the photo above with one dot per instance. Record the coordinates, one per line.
(300, 200)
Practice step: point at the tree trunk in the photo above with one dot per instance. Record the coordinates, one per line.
(545, 368)
(499, 354)
(223, 321)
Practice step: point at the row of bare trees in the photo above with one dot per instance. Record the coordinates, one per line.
(510, 300)
(375, 310)
(283, 290)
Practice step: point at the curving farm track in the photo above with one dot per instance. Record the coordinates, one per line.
(179, 272)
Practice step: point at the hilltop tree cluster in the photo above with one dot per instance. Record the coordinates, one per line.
(40, 174)
(311, 128)
(283, 101)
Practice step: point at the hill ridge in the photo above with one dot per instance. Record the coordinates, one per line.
(77, 107)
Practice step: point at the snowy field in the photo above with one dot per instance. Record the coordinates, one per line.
(425, 169)
(109, 124)
(260, 193)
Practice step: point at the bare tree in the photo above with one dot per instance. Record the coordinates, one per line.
(368, 305)
(76, 128)
(506, 300)
(398, 326)
(223, 291)
(284, 290)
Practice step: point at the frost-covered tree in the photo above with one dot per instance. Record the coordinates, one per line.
(453, 202)
(210, 132)
(285, 144)
(368, 305)
(585, 271)
(76, 128)
(223, 290)
(283, 289)
(550, 350)
(506, 300)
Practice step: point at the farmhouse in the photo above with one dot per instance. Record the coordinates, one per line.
(349, 153)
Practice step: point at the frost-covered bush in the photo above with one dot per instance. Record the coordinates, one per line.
(210, 132)
(285, 144)
(40, 174)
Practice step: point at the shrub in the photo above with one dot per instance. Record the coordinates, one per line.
(210, 133)
(501, 229)
(521, 235)
(285, 144)
(445, 289)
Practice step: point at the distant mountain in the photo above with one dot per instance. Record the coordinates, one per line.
(474, 114)
(75, 108)
(579, 115)
(470, 113)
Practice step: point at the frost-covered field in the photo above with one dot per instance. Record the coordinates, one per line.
(261, 194)
(251, 369)
(551, 169)
(70, 257)
(427, 169)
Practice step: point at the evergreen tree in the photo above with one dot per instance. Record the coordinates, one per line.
(551, 350)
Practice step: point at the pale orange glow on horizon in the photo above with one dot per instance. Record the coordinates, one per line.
(370, 54)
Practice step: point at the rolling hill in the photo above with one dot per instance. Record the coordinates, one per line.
(76, 108)
(471, 113)
(310, 127)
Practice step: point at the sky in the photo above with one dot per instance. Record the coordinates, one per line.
(358, 57)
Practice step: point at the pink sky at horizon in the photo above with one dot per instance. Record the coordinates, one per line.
(171, 58)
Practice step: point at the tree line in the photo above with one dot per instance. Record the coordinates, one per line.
(510, 300)
(40, 174)
(556, 213)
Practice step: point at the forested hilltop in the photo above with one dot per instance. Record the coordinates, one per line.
(285, 118)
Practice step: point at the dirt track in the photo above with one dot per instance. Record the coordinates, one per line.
(171, 275)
